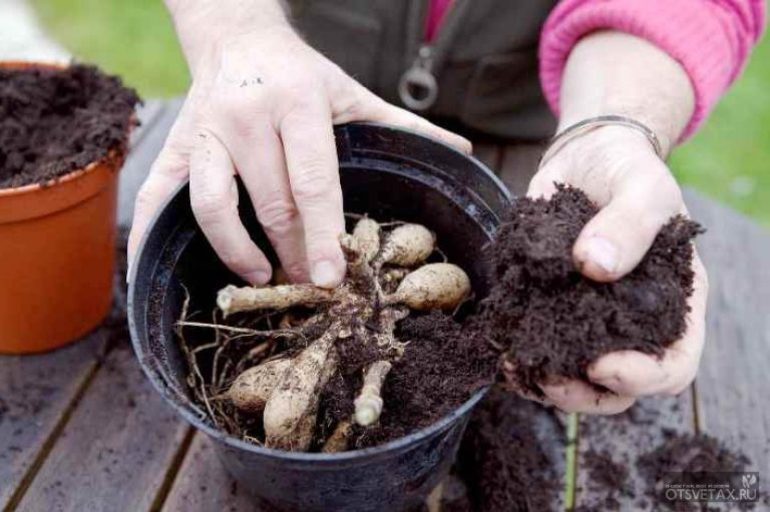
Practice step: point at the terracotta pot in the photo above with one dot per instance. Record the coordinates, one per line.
(57, 255)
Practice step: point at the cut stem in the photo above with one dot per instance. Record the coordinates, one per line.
(368, 404)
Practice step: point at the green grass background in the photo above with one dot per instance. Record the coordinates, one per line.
(727, 160)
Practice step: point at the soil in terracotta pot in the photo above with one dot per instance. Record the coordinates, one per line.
(431, 365)
(55, 121)
(550, 320)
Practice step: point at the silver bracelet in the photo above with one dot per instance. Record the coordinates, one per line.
(562, 138)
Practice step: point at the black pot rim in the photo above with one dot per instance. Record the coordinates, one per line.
(196, 421)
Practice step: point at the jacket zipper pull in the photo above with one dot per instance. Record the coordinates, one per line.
(418, 88)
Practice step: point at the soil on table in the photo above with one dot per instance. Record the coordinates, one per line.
(689, 453)
(53, 122)
(551, 320)
(501, 461)
(441, 368)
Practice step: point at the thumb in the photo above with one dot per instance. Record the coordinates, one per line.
(617, 238)
(360, 104)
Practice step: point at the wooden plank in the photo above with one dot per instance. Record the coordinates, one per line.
(147, 143)
(519, 164)
(733, 381)
(621, 439)
(118, 449)
(203, 483)
(37, 394)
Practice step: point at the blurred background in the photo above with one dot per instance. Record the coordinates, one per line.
(727, 160)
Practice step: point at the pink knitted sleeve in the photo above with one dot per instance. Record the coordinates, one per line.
(711, 39)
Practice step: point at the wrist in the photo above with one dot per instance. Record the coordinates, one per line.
(616, 73)
(600, 145)
(204, 26)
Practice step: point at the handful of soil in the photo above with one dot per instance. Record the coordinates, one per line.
(54, 121)
(302, 368)
(554, 322)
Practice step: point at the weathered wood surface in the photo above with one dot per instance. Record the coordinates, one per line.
(117, 451)
(203, 484)
(74, 441)
(734, 378)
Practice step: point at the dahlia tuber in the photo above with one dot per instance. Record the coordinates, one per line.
(407, 245)
(251, 389)
(432, 286)
(232, 299)
(290, 413)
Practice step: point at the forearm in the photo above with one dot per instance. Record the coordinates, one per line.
(202, 24)
(616, 73)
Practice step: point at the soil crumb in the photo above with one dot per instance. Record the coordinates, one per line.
(690, 453)
(552, 321)
(441, 368)
(501, 462)
(56, 121)
(607, 477)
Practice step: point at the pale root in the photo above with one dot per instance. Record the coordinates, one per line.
(290, 413)
(367, 236)
(251, 389)
(433, 286)
(407, 245)
(368, 404)
(233, 299)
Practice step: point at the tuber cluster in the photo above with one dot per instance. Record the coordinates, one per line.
(278, 382)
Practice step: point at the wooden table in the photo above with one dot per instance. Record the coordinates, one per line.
(82, 430)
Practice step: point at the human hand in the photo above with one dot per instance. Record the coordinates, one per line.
(619, 170)
(262, 105)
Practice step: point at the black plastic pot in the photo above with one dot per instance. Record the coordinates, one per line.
(387, 173)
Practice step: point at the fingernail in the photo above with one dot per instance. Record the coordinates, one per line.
(325, 274)
(603, 253)
(258, 277)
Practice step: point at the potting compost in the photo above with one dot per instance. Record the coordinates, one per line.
(54, 121)
(302, 368)
(551, 320)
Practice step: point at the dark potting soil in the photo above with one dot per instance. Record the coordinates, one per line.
(502, 463)
(441, 368)
(53, 122)
(689, 453)
(551, 320)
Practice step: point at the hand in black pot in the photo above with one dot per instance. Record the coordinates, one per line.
(262, 104)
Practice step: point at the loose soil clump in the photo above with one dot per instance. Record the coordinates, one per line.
(501, 461)
(54, 121)
(302, 368)
(550, 320)
(690, 453)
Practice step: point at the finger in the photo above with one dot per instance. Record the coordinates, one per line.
(259, 157)
(359, 104)
(214, 201)
(311, 159)
(618, 237)
(577, 396)
(543, 183)
(168, 171)
(637, 374)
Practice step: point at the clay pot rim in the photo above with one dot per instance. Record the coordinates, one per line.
(73, 175)
(60, 180)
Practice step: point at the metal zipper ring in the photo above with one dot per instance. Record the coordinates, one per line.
(421, 81)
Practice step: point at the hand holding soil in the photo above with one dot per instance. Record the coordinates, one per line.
(636, 196)
(262, 105)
